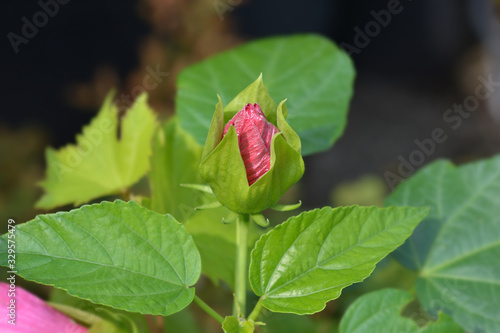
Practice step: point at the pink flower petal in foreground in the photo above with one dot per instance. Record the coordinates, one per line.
(32, 315)
(254, 139)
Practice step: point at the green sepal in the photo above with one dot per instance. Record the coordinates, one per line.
(286, 208)
(199, 187)
(290, 136)
(254, 93)
(216, 129)
(230, 218)
(260, 220)
(210, 205)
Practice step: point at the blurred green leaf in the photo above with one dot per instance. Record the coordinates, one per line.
(311, 71)
(96, 324)
(365, 191)
(120, 318)
(117, 254)
(307, 261)
(175, 161)
(233, 325)
(289, 323)
(182, 321)
(79, 315)
(100, 163)
(216, 242)
(380, 311)
(105, 327)
(456, 248)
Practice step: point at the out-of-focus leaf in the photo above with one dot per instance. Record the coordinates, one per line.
(120, 318)
(175, 161)
(233, 325)
(216, 242)
(456, 248)
(380, 311)
(183, 321)
(289, 323)
(100, 163)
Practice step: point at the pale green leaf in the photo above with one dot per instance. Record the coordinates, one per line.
(105, 327)
(217, 243)
(79, 315)
(456, 248)
(306, 261)
(175, 161)
(100, 163)
(121, 318)
(233, 325)
(182, 322)
(380, 311)
(290, 323)
(117, 254)
(311, 71)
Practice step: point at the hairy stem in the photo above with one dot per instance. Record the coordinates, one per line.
(208, 309)
(240, 281)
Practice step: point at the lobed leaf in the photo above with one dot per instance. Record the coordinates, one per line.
(456, 248)
(380, 311)
(100, 163)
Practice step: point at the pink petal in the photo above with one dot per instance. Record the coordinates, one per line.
(32, 315)
(254, 139)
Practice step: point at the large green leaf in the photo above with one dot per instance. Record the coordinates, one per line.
(117, 254)
(307, 261)
(100, 163)
(311, 71)
(380, 311)
(456, 248)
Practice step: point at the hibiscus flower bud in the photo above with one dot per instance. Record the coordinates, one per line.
(254, 139)
(251, 156)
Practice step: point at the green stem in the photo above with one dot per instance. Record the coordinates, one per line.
(208, 309)
(256, 310)
(240, 281)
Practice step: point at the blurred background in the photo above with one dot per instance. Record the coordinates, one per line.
(428, 58)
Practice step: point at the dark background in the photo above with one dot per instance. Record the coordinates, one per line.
(424, 61)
